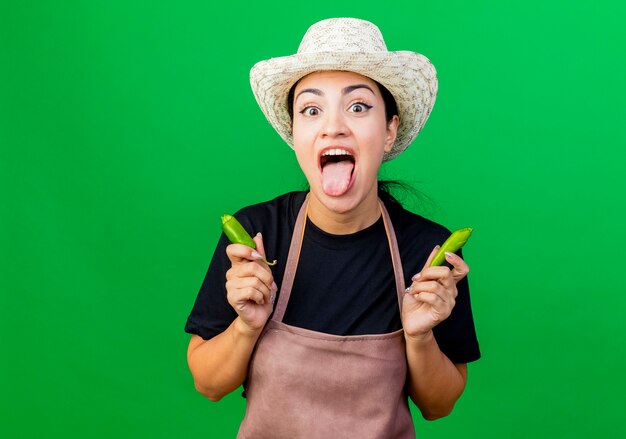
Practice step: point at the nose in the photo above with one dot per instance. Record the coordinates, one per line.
(335, 125)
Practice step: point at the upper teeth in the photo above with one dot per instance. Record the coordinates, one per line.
(336, 151)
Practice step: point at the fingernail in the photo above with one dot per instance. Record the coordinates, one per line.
(256, 255)
(437, 247)
(408, 290)
(258, 235)
(449, 255)
(274, 287)
(416, 277)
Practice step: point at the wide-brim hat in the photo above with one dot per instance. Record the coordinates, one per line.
(356, 46)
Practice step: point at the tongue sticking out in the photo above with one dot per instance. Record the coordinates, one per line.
(336, 177)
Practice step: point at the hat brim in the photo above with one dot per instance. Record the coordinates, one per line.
(410, 77)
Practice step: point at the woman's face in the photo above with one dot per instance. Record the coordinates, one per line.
(340, 134)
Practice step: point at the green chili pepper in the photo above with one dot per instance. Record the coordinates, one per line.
(237, 234)
(452, 244)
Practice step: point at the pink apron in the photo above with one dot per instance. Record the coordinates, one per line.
(309, 384)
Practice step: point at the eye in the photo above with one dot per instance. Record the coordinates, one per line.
(359, 107)
(310, 111)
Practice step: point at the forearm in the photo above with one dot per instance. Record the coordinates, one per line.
(220, 365)
(434, 382)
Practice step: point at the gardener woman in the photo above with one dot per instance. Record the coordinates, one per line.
(329, 342)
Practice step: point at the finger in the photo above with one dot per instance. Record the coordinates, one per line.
(431, 256)
(443, 275)
(251, 282)
(432, 287)
(440, 274)
(238, 296)
(440, 310)
(249, 288)
(432, 299)
(459, 266)
(252, 269)
(260, 248)
(273, 297)
(433, 273)
(239, 254)
(254, 295)
(427, 264)
(245, 275)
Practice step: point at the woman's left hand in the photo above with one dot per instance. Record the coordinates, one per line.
(432, 295)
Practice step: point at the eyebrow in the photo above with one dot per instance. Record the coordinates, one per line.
(344, 91)
(351, 88)
(315, 91)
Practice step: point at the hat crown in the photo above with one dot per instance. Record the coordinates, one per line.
(343, 35)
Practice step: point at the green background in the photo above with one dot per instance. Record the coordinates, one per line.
(127, 129)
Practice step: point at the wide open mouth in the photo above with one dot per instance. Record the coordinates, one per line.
(337, 165)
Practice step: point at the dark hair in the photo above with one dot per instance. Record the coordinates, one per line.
(391, 108)
(402, 194)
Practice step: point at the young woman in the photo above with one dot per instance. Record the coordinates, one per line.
(330, 342)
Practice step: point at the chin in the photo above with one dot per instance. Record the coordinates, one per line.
(341, 204)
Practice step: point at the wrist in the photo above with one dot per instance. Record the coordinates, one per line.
(420, 339)
(244, 330)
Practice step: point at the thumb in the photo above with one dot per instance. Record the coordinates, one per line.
(258, 240)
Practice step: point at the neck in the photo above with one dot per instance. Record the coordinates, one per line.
(362, 216)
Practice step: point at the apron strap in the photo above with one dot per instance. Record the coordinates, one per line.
(294, 256)
(395, 254)
(292, 262)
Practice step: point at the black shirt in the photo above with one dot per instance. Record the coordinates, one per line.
(344, 284)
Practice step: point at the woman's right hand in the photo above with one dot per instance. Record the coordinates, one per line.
(250, 284)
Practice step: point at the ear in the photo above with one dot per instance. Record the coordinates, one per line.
(392, 132)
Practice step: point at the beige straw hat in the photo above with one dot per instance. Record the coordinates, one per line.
(357, 46)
